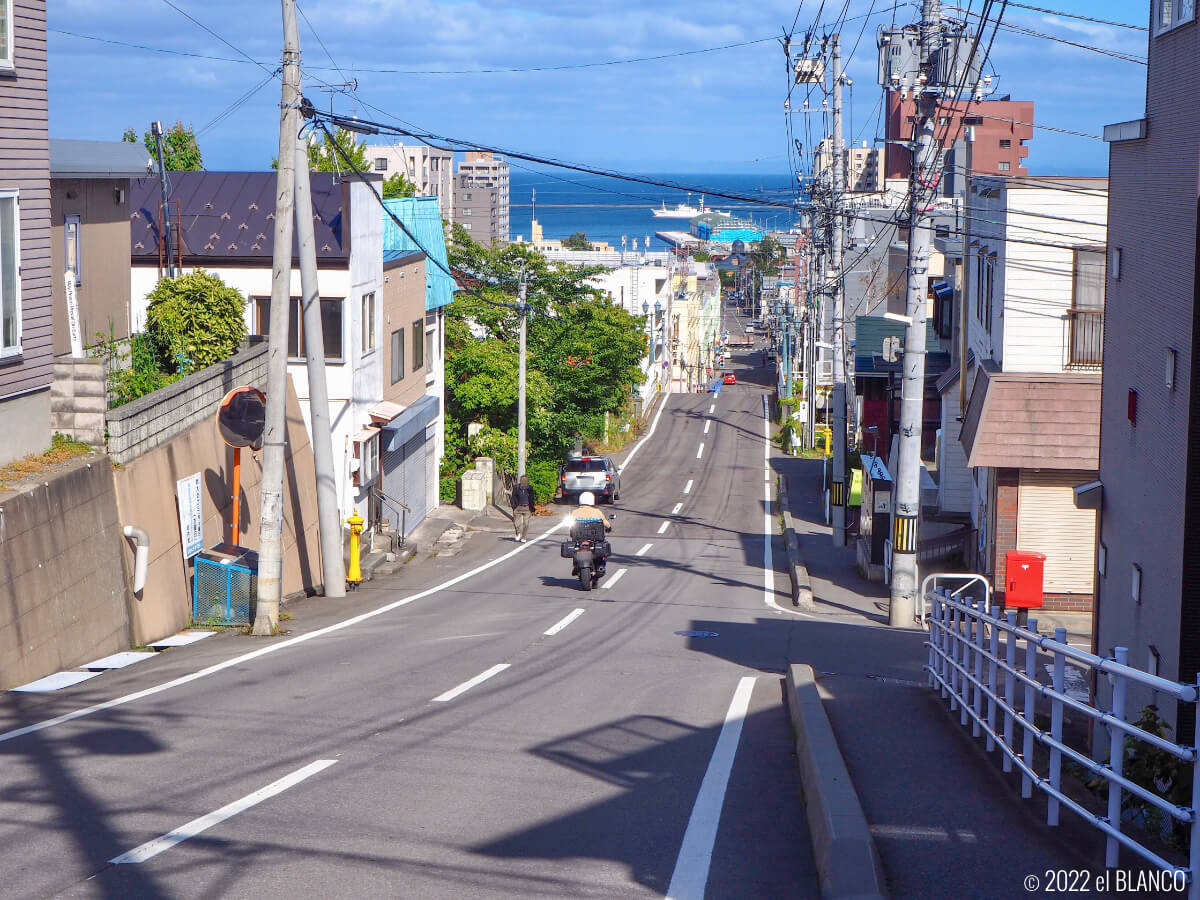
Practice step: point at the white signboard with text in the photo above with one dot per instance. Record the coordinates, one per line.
(191, 515)
(73, 314)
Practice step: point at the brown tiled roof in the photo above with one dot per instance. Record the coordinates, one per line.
(1021, 420)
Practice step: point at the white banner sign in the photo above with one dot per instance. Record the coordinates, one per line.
(191, 515)
(73, 315)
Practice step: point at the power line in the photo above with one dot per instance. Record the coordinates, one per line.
(1067, 15)
(321, 42)
(231, 46)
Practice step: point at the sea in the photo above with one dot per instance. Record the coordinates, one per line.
(607, 209)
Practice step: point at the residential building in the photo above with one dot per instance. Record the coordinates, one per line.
(431, 169)
(863, 166)
(1003, 129)
(26, 329)
(226, 226)
(544, 245)
(481, 197)
(1030, 428)
(644, 290)
(1148, 581)
(89, 236)
(693, 323)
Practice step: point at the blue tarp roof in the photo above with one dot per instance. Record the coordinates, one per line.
(422, 217)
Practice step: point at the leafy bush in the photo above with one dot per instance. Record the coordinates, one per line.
(143, 375)
(543, 478)
(194, 320)
(448, 488)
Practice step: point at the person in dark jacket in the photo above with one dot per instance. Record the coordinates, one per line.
(522, 507)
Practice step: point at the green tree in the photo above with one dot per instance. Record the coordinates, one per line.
(194, 321)
(398, 186)
(701, 256)
(767, 255)
(181, 153)
(577, 241)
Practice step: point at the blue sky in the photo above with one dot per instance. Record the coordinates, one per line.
(719, 111)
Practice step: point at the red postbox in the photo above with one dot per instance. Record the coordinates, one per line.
(1023, 582)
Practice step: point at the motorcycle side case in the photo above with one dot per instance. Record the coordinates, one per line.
(567, 550)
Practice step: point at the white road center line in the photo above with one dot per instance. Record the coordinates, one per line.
(676, 509)
(712, 409)
(467, 685)
(706, 424)
(663, 527)
(152, 848)
(645, 549)
(700, 451)
(687, 488)
(615, 578)
(564, 622)
(695, 854)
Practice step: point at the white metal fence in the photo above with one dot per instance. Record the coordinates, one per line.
(987, 667)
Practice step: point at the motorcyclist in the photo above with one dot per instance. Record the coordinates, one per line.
(586, 512)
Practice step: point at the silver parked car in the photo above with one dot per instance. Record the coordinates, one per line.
(597, 474)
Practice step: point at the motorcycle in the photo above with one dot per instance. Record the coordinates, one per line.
(589, 550)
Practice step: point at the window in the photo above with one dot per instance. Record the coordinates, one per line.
(381, 164)
(1173, 13)
(366, 451)
(466, 196)
(466, 226)
(1004, 166)
(1005, 143)
(6, 34)
(368, 322)
(331, 326)
(943, 120)
(1085, 319)
(71, 247)
(418, 346)
(429, 351)
(466, 212)
(10, 268)
(397, 355)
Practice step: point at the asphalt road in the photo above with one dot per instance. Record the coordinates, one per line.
(612, 757)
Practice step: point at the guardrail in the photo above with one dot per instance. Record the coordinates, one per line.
(981, 677)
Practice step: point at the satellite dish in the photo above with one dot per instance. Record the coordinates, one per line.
(891, 348)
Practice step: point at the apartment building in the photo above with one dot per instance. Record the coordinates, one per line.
(481, 199)
(1003, 129)
(863, 166)
(429, 168)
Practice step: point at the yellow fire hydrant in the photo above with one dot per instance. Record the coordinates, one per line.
(354, 569)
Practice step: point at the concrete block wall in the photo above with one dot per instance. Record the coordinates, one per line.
(78, 400)
(63, 591)
(140, 426)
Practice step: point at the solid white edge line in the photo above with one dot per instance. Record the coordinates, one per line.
(662, 407)
(769, 527)
(645, 549)
(700, 451)
(564, 622)
(706, 424)
(616, 576)
(269, 648)
(663, 527)
(695, 853)
(687, 488)
(152, 848)
(676, 509)
(467, 685)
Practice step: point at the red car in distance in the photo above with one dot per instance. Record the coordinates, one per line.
(731, 378)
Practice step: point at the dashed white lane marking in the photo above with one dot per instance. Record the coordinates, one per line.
(467, 685)
(563, 622)
(706, 424)
(700, 451)
(663, 527)
(712, 409)
(615, 578)
(152, 848)
(645, 549)
(695, 854)
(675, 510)
(687, 488)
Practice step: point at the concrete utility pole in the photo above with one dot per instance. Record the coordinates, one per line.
(838, 494)
(332, 566)
(270, 519)
(521, 383)
(969, 140)
(922, 183)
(157, 130)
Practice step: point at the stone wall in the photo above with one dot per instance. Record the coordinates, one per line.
(140, 426)
(62, 584)
(77, 399)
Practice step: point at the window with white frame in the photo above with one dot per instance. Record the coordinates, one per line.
(366, 451)
(71, 248)
(10, 271)
(368, 322)
(6, 35)
(1170, 14)
(381, 164)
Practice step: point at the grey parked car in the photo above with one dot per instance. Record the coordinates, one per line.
(597, 474)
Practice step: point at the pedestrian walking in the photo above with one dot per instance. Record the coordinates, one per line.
(522, 507)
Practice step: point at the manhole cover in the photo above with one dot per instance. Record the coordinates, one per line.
(699, 634)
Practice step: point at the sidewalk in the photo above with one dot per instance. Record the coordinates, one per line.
(947, 822)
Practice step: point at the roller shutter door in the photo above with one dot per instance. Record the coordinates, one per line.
(416, 494)
(1048, 522)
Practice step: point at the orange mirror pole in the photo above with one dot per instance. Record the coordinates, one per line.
(237, 495)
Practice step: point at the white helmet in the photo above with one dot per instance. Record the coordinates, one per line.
(587, 498)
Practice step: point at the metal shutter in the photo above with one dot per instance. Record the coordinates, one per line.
(416, 493)
(433, 483)
(1048, 522)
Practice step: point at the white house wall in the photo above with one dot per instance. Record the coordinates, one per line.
(954, 478)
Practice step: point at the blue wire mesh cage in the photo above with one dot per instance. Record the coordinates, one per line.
(224, 586)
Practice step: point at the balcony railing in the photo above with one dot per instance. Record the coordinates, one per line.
(1084, 338)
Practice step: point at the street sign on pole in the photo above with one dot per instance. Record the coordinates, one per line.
(191, 515)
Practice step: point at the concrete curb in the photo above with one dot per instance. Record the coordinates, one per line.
(847, 862)
(802, 594)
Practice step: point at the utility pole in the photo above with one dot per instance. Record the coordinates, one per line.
(521, 382)
(838, 494)
(157, 130)
(969, 140)
(332, 566)
(270, 519)
(902, 612)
